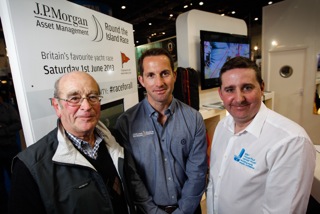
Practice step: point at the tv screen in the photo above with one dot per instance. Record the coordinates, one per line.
(216, 49)
(110, 112)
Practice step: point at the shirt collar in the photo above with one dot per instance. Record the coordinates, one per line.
(151, 111)
(256, 124)
(84, 145)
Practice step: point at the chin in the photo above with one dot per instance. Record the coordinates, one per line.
(87, 126)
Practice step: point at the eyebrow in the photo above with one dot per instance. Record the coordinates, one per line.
(79, 93)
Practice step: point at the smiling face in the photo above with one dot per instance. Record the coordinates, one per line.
(78, 120)
(158, 79)
(241, 94)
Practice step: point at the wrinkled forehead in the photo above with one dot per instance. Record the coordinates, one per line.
(78, 84)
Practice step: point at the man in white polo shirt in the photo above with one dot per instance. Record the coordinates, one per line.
(261, 162)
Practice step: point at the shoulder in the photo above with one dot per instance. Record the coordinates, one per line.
(42, 149)
(134, 111)
(135, 108)
(281, 122)
(186, 109)
(117, 135)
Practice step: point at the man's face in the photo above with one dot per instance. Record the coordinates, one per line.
(78, 120)
(241, 94)
(158, 79)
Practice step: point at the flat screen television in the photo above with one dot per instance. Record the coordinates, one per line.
(110, 112)
(215, 49)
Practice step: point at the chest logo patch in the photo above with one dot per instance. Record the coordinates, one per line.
(142, 134)
(245, 159)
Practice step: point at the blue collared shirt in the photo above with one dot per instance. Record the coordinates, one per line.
(171, 159)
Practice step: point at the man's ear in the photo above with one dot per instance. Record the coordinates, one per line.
(220, 93)
(262, 86)
(140, 78)
(57, 107)
(174, 75)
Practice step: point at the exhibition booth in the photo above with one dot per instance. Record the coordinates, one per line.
(108, 52)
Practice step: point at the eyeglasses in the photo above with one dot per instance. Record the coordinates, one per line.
(77, 100)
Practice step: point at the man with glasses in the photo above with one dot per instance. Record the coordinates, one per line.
(78, 167)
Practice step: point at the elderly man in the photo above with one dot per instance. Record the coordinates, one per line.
(78, 167)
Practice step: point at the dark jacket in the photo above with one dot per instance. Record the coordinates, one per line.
(9, 125)
(68, 183)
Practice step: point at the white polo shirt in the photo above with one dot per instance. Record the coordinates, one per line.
(266, 168)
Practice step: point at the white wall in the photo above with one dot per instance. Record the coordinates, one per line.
(188, 26)
(294, 24)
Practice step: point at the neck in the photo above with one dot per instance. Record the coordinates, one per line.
(160, 107)
(238, 127)
(162, 119)
(90, 138)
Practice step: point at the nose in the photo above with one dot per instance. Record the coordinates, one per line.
(85, 104)
(159, 81)
(239, 97)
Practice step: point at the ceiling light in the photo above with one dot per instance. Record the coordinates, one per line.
(233, 12)
(201, 3)
(123, 7)
(222, 14)
(171, 15)
(186, 6)
(270, 2)
(150, 23)
(274, 43)
(256, 19)
(163, 33)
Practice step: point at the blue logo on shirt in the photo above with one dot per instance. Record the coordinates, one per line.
(245, 159)
(238, 157)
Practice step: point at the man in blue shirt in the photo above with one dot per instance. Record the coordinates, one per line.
(166, 137)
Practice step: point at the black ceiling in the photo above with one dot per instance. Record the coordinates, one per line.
(142, 12)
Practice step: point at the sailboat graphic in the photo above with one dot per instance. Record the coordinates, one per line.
(99, 32)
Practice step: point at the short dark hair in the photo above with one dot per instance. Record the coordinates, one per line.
(241, 62)
(154, 52)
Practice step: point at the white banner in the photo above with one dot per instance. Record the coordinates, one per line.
(46, 39)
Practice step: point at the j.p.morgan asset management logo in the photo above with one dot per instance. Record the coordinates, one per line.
(56, 19)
